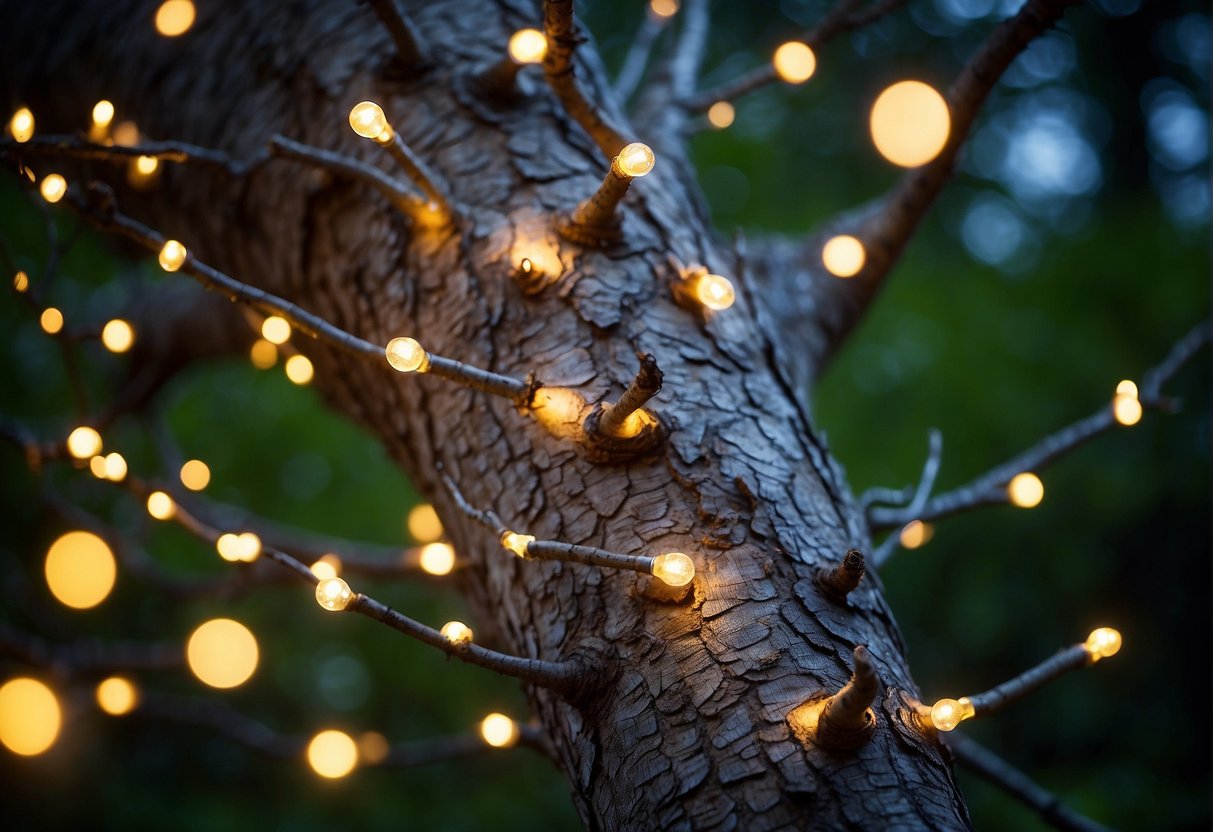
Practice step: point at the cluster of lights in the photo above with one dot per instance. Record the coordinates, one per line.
(111, 467)
(1126, 408)
(222, 653)
(334, 594)
(244, 547)
(1025, 490)
(80, 570)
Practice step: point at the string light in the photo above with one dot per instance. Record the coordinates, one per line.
(1126, 408)
(373, 747)
(222, 653)
(117, 335)
(174, 17)
(112, 467)
(406, 355)
(516, 543)
(276, 329)
(21, 125)
(117, 695)
(328, 566)
(636, 159)
(843, 256)
(715, 292)
(103, 114)
(423, 523)
(1103, 643)
(794, 62)
(674, 568)
(721, 114)
(244, 547)
(663, 8)
(172, 255)
(332, 754)
(80, 570)
(528, 46)
(367, 120)
(21, 281)
(1126, 387)
(457, 633)
(299, 369)
(910, 123)
(1025, 490)
(84, 442)
(334, 594)
(946, 714)
(30, 716)
(916, 533)
(195, 474)
(146, 165)
(594, 221)
(263, 354)
(161, 506)
(437, 558)
(51, 320)
(499, 731)
(53, 188)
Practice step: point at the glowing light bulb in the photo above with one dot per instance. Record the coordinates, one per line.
(263, 354)
(843, 256)
(103, 113)
(1025, 490)
(334, 594)
(526, 266)
(117, 696)
(174, 17)
(117, 335)
(53, 188)
(332, 754)
(516, 543)
(146, 165)
(423, 523)
(437, 558)
(83, 442)
(715, 292)
(1103, 643)
(21, 125)
(30, 716)
(1126, 388)
(195, 474)
(663, 8)
(276, 330)
(250, 546)
(222, 653)
(126, 134)
(114, 467)
(636, 159)
(172, 255)
(80, 570)
(794, 62)
(367, 120)
(406, 355)
(499, 731)
(1126, 409)
(916, 533)
(721, 114)
(21, 281)
(244, 547)
(373, 747)
(161, 506)
(328, 566)
(299, 369)
(910, 123)
(456, 632)
(97, 466)
(946, 714)
(528, 46)
(51, 320)
(675, 568)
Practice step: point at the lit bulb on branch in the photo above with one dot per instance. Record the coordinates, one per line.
(334, 594)
(499, 731)
(407, 356)
(80, 570)
(517, 543)
(84, 442)
(843, 256)
(30, 716)
(1103, 643)
(721, 114)
(674, 568)
(172, 255)
(910, 123)
(117, 695)
(21, 125)
(103, 114)
(437, 558)
(51, 320)
(457, 633)
(595, 221)
(161, 506)
(117, 335)
(1025, 490)
(525, 47)
(276, 329)
(715, 292)
(222, 653)
(367, 120)
(53, 188)
(946, 714)
(244, 547)
(794, 62)
(195, 474)
(332, 754)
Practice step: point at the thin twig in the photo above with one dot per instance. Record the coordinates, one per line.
(74, 147)
(930, 470)
(990, 702)
(88, 657)
(638, 55)
(410, 47)
(396, 192)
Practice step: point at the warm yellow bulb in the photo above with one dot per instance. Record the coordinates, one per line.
(517, 543)
(51, 320)
(1026, 490)
(843, 256)
(1126, 388)
(328, 566)
(636, 159)
(276, 330)
(663, 8)
(263, 354)
(368, 121)
(113, 467)
(29, 716)
(910, 123)
(244, 547)
(332, 754)
(528, 46)
(1103, 643)
(675, 568)
(437, 558)
(117, 335)
(53, 187)
(172, 255)
(126, 134)
(97, 466)
(80, 570)
(916, 533)
(715, 292)
(423, 523)
(946, 714)
(103, 113)
(373, 747)
(333, 594)
(195, 474)
(146, 165)
(117, 696)
(1126, 409)
(222, 653)
(406, 355)
(721, 114)
(456, 632)
(21, 281)
(161, 506)
(499, 731)
(794, 62)
(21, 125)
(174, 17)
(83, 442)
(299, 369)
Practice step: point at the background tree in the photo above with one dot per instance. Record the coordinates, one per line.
(336, 248)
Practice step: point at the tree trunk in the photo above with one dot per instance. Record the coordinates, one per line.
(683, 724)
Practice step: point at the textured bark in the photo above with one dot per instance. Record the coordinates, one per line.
(686, 724)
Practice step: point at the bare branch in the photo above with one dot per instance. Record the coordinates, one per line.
(73, 147)
(644, 386)
(638, 55)
(995, 699)
(396, 193)
(687, 56)
(89, 656)
(846, 719)
(930, 470)
(838, 582)
(410, 48)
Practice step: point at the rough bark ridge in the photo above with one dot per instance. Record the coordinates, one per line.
(685, 724)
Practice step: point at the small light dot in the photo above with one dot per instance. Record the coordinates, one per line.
(916, 533)
(721, 114)
(21, 281)
(437, 558)
(276, 330)
(117, 696)
(84, 442)
(21, 125)
(174, 17)
(332, 754)
(499, 731)
(103, 113)
(161, 506)
(910, 123)
(664, 8)
(794, 62)
(51, 320)
(1026, 490)
(299, 369)
(172, 256)
(117, 335)
(263, 354)
(53, 188)
(528, 46)
(146, 165)
(843, 256)
(195, 475)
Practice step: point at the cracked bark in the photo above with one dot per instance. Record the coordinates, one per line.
(687, 727)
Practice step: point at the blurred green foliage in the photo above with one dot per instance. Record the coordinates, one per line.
(994, 357)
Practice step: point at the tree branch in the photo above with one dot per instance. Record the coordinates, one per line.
(410, 48)
(88, 656)
(930, 470)
(397, 194)
(73, 147)
(638, 54)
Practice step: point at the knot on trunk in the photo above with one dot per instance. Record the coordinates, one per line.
(837, 582)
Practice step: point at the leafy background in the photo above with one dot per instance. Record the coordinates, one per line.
(1070, 252)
